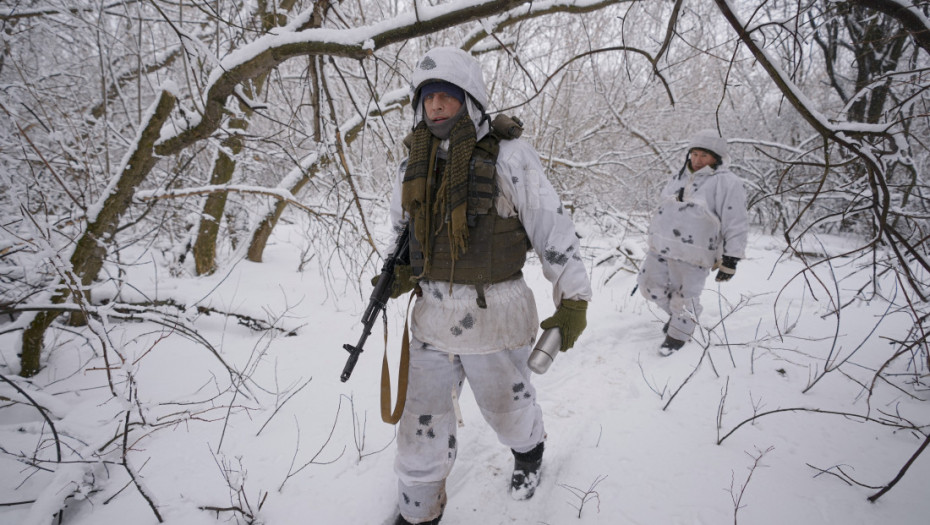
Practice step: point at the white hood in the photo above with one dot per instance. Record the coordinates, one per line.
(452, 65)
(708, 139)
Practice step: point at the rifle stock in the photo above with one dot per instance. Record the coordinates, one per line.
(378, 300)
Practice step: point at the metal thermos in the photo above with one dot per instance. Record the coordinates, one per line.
(547, 347)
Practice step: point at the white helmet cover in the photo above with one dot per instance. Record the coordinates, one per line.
(708, 139)
(452, 65)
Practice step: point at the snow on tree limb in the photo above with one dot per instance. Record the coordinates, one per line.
(268, 52)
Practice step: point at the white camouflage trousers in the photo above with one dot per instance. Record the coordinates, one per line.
(426, 434)
(675, 287)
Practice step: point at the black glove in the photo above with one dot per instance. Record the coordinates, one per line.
(726, 268)
(402, 280)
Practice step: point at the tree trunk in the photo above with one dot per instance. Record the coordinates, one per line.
(90, 250)
(215, 203)
(261, 234)
(223, 168)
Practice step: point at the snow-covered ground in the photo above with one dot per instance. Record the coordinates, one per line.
(633, 438)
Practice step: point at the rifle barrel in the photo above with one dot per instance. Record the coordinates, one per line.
(378, 301)
(350, 363)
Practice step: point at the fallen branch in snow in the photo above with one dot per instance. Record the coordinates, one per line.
(15, 503)
(252, 323)
(706, 352)
(642, 371)
(737, 496)
(359, 434)
(585, 496)
(129, 312)
(277, 408)
(849, 480)
(291, 472)
(239, 382)
(842, 476)
(874, 497)
(133, 475)
(233, 508)
(820, 411)
(235, 479)
(685, 382)
(743, 301)
(721, 405)
(723, 326)
(629, 261)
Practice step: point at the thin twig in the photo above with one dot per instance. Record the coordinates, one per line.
(288, 398)
(923, 446)
(132, 474)
(738, 497)
(42, 411)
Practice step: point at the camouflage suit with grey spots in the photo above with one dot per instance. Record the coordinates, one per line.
(454, 340)
(701, 217)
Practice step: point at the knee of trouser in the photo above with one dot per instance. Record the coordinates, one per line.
(426, 447)
(520, 429)
(653, 293)
(679, 303)
(414, 469)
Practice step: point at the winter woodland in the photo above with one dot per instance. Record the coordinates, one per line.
(194, 198)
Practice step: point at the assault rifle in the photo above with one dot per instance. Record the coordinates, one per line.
(378, 299)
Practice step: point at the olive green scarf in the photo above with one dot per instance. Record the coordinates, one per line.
(451, 198)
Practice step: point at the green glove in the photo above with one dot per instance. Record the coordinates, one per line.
(570, 318)
(402, 280)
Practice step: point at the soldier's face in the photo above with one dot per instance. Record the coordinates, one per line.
(440, 106)
(700, 158)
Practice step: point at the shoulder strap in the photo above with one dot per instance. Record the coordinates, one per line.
(506, 127)
(402, 374)
(503, 127)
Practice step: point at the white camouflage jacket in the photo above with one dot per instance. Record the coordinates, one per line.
(701, 217)
(447, 315)
(449, 318)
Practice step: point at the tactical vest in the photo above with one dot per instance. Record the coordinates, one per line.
(497, 246)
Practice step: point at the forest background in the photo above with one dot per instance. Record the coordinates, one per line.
(169, 141)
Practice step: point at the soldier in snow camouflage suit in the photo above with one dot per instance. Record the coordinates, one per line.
(465, 325)
(701, 224)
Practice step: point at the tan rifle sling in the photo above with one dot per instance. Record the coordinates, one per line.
(403, 372)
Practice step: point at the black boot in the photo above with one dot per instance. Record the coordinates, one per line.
(402, 521)
(526, 470)
(670, 345)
